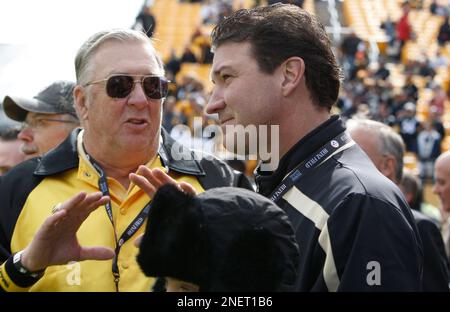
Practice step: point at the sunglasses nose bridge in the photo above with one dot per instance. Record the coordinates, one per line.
(138, 81)
(142, 92)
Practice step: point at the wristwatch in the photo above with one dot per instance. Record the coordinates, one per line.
(17, 261)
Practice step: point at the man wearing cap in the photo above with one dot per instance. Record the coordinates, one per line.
(52, 236)
(47, 118)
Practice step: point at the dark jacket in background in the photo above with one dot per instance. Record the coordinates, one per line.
(435, 263)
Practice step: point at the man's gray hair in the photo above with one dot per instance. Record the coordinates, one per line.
(391, 142)
(88, 49)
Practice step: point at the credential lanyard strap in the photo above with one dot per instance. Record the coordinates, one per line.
(312, 161)
(130, 230)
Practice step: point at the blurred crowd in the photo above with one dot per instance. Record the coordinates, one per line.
(387, 89)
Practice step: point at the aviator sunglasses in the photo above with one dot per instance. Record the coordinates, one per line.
(120, 86)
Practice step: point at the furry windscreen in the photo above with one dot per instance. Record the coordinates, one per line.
(253, 262)
(172, 245)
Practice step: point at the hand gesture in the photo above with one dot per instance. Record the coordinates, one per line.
(149, 180)
(56, 241)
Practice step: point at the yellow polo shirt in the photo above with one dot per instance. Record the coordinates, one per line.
(97, 230)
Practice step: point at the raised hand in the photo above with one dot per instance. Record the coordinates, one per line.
(149, 180)
(56, 241)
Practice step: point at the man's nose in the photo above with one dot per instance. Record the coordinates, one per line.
(216, 102)
(137, 96)
(26, 134)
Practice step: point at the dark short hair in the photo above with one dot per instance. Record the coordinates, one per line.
(411, 184)
(280, 31)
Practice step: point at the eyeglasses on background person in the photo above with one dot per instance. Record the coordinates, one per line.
(37, 123)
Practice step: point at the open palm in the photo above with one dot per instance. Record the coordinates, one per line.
(56, 241)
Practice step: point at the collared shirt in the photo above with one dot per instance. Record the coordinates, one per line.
(97, 230)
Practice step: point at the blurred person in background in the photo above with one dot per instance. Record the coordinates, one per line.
(10, 154)
(428, 149)
(403, 28)
(146, 21)
(409, 126)
(47, 118)
(441, 188)
(444, 31)
(412, 188)
(386, 149)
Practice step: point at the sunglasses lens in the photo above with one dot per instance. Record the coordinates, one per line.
(155, 87)
(119, 86)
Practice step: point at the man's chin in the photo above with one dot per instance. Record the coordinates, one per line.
(31, 155)
(29, 150)
(234, 145)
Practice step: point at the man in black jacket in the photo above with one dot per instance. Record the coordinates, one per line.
(274, 66)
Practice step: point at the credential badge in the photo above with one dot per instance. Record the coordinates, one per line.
(335, 143)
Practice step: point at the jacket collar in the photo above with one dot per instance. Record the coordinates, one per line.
(268, 181)
(62, 158)
(173, 155)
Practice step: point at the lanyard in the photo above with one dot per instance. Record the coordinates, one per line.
(338, 143)
(130, 230)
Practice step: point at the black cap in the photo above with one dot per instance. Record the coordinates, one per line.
(225, 239)
(57, 98)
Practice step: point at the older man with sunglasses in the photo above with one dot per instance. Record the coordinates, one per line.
(47, 118)
(49, 221)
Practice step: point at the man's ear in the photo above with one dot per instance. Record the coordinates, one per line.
(293, 71)
(389, 165)
(79, 98)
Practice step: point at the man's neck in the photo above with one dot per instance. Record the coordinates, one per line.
(118, 164)
(298, 124)
(298, 117)
(119, 173)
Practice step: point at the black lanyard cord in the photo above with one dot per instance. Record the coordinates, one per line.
(311, 162)
(132, 228)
